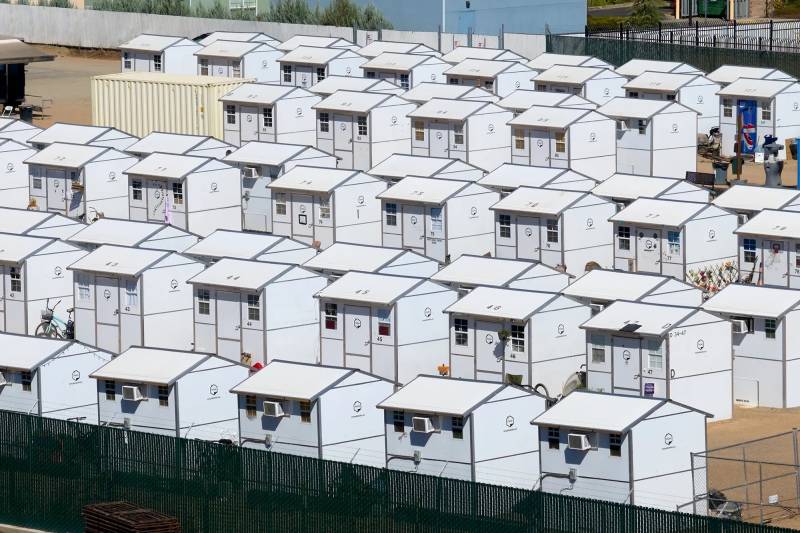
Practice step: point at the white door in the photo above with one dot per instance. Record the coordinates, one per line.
(540, 148)
(249, 123)
(435, 243)
(776, 263)
(627, 363)
(490, 352)
(439, 139)
(107, 300)
(303, 222)
(56, 190)
(229, 324)
(413, 226)
(156, 205)
(343, 132)
(356, 330)
(648, 252)
(528, 237)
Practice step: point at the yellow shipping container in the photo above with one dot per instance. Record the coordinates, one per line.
(142, 102)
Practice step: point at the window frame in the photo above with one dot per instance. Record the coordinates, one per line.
(750, 250)
(163, 395)
(598, 346)
(561, 142)
(674, 242)
(390, 209)
(766, 110)
(519, 138)
(554, 438)
(361, 123)
(254, 308)
(552, 231)
(127, 64)
(727, 107)
(304, 407)
(770, 328)
(177, 193)
(419, 131)
(404, 81)
(110, 387)
(281, 204)
(399, 421)
(458, 134)
(158, 64)
(504, 225)
(230, 114)
(624, 238)
(26, 380)
(331, 313)
(286, 70)
(204, 302)
(267, 117)
(250, 406)
(236, 69)
(320, 74)
(615, 444)
(137, 189)
(457, 427)
(518, 338)
(202, 63)
(15, 278)
(461, 331)
(324, 120)
(655, 356)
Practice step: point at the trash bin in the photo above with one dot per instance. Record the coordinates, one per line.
(720, 172)
(735, 162)
(26, 113)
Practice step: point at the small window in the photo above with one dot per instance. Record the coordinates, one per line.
(370, 74)
(399, 421)
(82, 280)
(324, 122)
(598, 348)
(230, 114)
(250, 409)
(642, 127)
(131, 293)
(553, 438)
(457, 423)
(111, 389)
(26, 378)
(404, 81)
(541, 87)
(519, 139)
(157, 62)
(324, 208)
(384, 329)
(655, 358)
(561, 142)
(280, 203)
(518, 338)
(305, 411)
(37, 184)
(320, 73)
(458, 133)
(766, 111)
(461, 329)
(419, 130)
(624, 237)
(236, 66)
(391, 214)
(488, 85)
(615, 445)
(504, 226)
(177, 193)
(452, 81)
(331, 316)
(126, 61)
(749, 246)
(633, 94)
(671, 97)
(253, 307)
(674, 242)
(552, 230)
(203, 67)
(287, 73)
(770, 326)
(203, 302)
(727, 107)
(266, 117)
(16, 279)
(437, 224)
(163, 395)
(796, 255)
(362, 126)
(136, 189)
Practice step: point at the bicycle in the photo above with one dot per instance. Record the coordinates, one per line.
(53, 327)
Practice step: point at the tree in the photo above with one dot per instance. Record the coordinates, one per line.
(292, 11)
(645, 13)
(373, 19)
(340, 13)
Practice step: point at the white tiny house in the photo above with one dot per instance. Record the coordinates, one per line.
(769, 249)
(170, 392)
(470, 271)
(579, 139)
(376, 48)
(529, 338)
(622, 449)
(362, 129)
(392, 326)
(101, 136)
(654, 138)
(331, 84)
(255, 246)
(123, 232)
(727, 74)
(252, 311)
(662, 351)
(35, 278)
(314, 411)
(497, 77)
(765, 107)
(269, 113)
(405, 70)
(133, 296)
(599, 287)
(49, 377)
(315, 41)
(261, 163)
(673, 238)
(463, 429)
(15, 178)
(438, 218)
(427, 91)
(398, 166)
(306, 65)
(637, 67)
(179, 143)
(546, 60)
(196, 194)
(321, 205)
(473, 131)
(38, 223)
(17, 130)
(565, 229)
(460, 53)
(749, 200)
(79, 181)
(159, 53)
(509, 177)
(596, 84)
(765, 369)
(625, 188)
(521, 100)
(252, 60)
(341, 258)
(247, 36)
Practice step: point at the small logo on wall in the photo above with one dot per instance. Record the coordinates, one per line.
(439, 135)
(510, 421)
(699, 98)
(357, 323)
(413, 220)
(561, 329)
(428, 312)
(490, 128)
(112, 176)
(489, 338)
(626, 356)
(348, 70)
(606, 91)
(539, 143)
(649, 245)
(674, 127)
(249, 118)
(264, 64)
(712, 235)
(107, 294)
(76, 375)
(517, 84)
(701, 344)
(796, 106)
(58, 272)
(10, 167)
(528, 232)
(213, 390)
(173, 285)
(668, 440)
(214, 186)
(299, 111)
(394, 120)
(590, 223)
(358, 410)
(592, 137)
(473, 212)
(342, 126)
(361, 200)
(433, 77)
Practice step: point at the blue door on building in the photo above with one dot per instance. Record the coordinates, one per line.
(747, 113)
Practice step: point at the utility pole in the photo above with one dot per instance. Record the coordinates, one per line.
(444, 15)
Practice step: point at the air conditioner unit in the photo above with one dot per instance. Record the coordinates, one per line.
(422, 424)
(742, 218)
(578, 441)
(132, 393)
(740, 326)
(249, 172)
(3, 380)
(620, 206)
(274, 409)
(596, 308)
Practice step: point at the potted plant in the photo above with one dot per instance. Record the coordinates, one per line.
(504, 335)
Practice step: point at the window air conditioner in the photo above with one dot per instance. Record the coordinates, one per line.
(578, 441)
(422, 424)
(740, 326)
(620, 206)
(132, 393)
(273, 409)
(596, 308)
(743, 218)
(249, 172)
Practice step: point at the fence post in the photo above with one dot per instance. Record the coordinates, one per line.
(621, 32)
(797, 464)
(735, 26)
(760, 493)
(659, 31)
(770, 33)
(586, 31)
(696, 33)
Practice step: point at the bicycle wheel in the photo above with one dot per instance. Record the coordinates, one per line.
(46, 329)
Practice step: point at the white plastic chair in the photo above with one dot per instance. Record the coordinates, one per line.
(7, 111)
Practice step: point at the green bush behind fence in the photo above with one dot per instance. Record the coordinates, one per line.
(50, 469)
(619, 51)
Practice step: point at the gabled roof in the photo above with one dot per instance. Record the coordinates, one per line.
(631, 186)
(172, 166)
(755, 198)
(655, 212)
(17, 248)
(117, 231)
(331, 84)
(120, 260)
(312, 40)
(640, 108)
(313, 179)
(344, 257)
(425, 92)
(496, 302)
(755, 88)
(351, 101)
(522, 99)
(308, 55)
(61, 132)
(752, 300)
(548, 117)
(66, 155)
(173, 143)
(267, 153)
(26, 352)
(239, 274)
(547, 60)
(568, 74)
(262, 93)
(460, 53)
(730, 73)
(432, 191)
(772, 223)
(608, 285)
(238, 36)
(446, 109)
(243, 245)
(19, 221)
(441, 395)
(659, 82)
(397, 62)
(636, 67)
(483, 68)
(476, 270)
(150, 365)
(402, 165)
(379, 289)
(297, 381)
(14, 51)
(230, 49)
(511, 176)
(639, 318)
(376, 48)
(151, 43)
(550, 202)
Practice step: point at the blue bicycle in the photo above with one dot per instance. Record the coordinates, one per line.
(52, 326)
